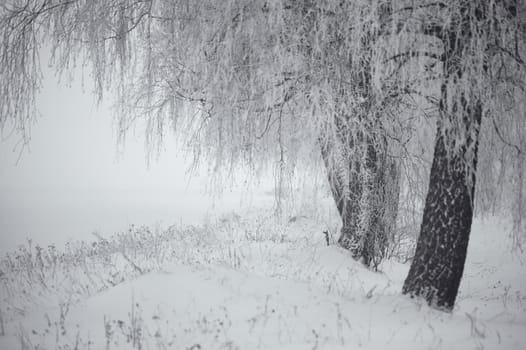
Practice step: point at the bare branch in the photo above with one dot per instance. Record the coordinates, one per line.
(520, 152)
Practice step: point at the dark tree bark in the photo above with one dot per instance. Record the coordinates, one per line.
(438, 264)
(440, 254)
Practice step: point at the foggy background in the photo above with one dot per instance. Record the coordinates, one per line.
(70, 180)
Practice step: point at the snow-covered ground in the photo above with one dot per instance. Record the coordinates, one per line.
(247, 282)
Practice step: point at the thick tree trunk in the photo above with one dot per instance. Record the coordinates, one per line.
(440, 254)
(438, 263)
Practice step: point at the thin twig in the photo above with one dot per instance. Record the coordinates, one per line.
(519, 151)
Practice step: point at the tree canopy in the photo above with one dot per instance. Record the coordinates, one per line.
(265, 83)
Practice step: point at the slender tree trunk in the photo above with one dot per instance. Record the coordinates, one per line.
(347, 188)
(365, 188)
(365, 183)
(385, 194)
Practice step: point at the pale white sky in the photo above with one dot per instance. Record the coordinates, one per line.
(71, 181)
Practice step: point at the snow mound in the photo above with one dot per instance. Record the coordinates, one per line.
(240, 285)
